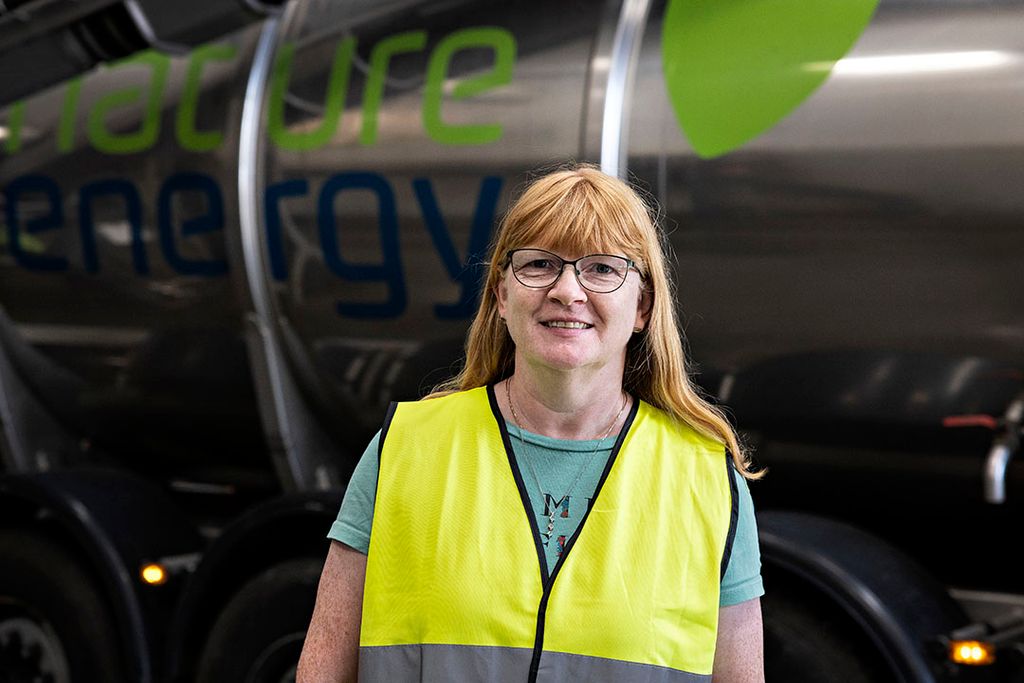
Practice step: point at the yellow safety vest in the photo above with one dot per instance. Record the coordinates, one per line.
(457, 588)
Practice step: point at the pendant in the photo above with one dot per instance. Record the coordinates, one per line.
(550, 529)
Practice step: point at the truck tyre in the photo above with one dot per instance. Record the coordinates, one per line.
(804, 643)
(54, 626)
(841, 592)
(259, 635)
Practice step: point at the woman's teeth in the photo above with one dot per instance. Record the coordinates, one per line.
(568, 325)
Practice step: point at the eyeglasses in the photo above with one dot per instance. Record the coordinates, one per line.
(598, 273)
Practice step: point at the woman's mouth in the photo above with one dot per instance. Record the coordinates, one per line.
(567, 325)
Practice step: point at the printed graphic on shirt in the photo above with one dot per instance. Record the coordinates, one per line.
(562, 509)
(550, 504)
(562, 505)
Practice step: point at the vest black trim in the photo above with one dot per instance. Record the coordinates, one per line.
(388, 417)
(549, 581)
(734, 514)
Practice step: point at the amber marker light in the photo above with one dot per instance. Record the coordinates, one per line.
(154, 574)
(971, 652)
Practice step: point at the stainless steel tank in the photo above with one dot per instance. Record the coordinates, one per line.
(229, 262)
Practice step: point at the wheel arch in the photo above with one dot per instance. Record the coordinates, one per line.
(83, 510)
(887, 595)
(289, 527)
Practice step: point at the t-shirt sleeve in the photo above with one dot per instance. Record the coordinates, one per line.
(355, 518)
(742, 580)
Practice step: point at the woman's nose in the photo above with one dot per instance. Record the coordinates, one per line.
(567, 288)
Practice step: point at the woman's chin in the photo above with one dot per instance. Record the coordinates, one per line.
(565, 360)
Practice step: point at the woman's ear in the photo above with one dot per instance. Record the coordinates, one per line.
(502, 295)
(643, 309)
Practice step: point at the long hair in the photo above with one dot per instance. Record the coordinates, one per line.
(579, 209)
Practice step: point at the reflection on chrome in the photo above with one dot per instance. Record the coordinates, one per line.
(963, 372)
(929, 62)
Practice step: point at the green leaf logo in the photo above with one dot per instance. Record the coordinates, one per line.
(735, 68)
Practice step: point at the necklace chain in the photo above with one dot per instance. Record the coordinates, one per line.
(519, 423)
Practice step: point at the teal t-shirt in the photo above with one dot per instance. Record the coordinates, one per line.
(557, 464)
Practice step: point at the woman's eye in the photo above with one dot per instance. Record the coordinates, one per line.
(601, 269)
(540, 264)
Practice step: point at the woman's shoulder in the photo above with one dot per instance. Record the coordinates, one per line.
(445, 403)
(451, 394)
(680, 428)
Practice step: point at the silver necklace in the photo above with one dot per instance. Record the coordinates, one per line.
(554, 508)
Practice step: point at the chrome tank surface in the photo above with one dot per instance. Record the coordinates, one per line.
(847, 273)
(118, 194)
(389, 149)
(391, 136)
(882, 213)
(849, 280)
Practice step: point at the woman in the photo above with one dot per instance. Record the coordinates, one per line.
(567, 508)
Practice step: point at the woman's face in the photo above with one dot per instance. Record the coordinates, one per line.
(566, 326)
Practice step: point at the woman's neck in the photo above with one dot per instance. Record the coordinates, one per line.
(573, 406)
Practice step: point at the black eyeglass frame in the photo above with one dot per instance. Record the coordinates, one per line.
(630, 264)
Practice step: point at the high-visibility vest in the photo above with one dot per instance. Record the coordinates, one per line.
(457, 588)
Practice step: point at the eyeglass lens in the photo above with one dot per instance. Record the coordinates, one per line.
(600, 273)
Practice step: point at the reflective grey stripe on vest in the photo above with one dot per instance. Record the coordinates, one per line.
(400, 663)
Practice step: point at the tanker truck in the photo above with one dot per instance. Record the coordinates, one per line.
(225, 252)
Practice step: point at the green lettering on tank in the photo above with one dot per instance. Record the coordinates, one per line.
(15, 121)
(28, 243)
(503, 45)
(337, 88)
(380, 58)
(735, 68)
(69, 116)
(185, 121)
(112, 142)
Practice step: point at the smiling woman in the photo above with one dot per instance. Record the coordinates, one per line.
(573, 412)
